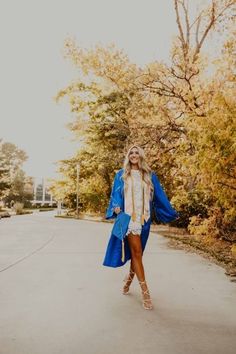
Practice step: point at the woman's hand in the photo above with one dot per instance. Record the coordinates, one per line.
(117, 210)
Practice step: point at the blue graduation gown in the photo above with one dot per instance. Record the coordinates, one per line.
(162, 208)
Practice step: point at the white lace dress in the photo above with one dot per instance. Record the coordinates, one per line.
(136, 226)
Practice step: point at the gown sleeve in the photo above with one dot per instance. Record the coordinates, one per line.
(115, 198)
(161, 204)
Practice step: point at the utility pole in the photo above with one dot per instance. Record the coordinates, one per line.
(77, 189)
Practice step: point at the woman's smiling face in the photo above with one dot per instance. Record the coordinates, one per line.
(134, 156)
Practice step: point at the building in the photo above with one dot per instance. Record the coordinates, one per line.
(42, 195)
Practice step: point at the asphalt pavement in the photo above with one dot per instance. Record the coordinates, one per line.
(56, 297)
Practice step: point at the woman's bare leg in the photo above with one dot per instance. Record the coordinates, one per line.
(131, 266)
(136, 256)
(128, 279)
(137, 265)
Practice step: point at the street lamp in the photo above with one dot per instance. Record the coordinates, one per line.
(77, 188)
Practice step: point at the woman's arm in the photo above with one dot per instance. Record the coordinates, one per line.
(115, 198)
(162, 206)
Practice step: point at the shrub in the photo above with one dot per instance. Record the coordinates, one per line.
(18, 207)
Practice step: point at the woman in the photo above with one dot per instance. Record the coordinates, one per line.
(136, 191)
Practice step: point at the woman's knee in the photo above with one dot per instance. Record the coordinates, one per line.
(136, 253)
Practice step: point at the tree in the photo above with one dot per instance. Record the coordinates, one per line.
(12, 178)
(174, 112)
(11, 159)
(21, 189)
(182, 82)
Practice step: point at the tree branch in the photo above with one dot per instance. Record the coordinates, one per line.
(205, 33)
(182, 39)
(226, 185)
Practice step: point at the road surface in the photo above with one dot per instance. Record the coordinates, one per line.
(56, 297)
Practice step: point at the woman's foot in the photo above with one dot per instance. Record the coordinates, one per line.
(147, 302)
(128, 280)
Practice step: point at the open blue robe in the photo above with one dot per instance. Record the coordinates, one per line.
(162, 208)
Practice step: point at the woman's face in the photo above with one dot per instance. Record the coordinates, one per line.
(134, 156)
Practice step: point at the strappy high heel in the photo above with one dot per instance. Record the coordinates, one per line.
(147, 303)
(128, 279)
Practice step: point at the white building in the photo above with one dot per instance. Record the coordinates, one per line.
(42, 196)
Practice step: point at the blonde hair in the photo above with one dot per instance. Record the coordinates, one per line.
(142, 165)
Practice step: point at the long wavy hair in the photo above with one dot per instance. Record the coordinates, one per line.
(143, 167)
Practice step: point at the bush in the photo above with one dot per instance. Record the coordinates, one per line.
(215, 225)
(18, 207)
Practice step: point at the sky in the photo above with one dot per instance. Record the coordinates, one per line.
(33, 69)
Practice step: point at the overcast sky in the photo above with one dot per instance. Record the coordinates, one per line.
(33, 69)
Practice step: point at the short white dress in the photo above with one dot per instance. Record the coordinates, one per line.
(136, 226)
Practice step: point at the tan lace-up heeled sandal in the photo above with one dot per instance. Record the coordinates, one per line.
(147, 303)
(128, 280)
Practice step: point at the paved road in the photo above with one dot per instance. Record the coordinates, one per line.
(57, 298)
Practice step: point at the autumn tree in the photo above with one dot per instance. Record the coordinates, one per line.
(11, 160)
(174, 112)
